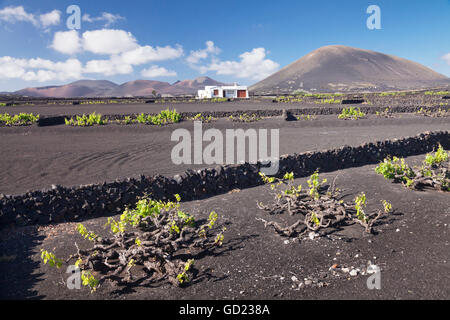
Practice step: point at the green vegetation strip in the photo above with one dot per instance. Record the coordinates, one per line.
(18, 119)
(86, 120)
(441, 112)
(436, 93)
(164, 117)
(245, 118)
(351, 113)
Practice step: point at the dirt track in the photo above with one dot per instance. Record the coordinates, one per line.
(37, 157)
(411, 247)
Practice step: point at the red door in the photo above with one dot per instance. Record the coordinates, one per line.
(242, 94)
(216, 92)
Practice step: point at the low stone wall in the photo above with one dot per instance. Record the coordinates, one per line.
(51, 121)
(322, 110)
(352, 101)
(77, 203)
(57, 120)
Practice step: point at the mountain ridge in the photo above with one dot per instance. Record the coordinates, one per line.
(342, 68)
(106, 88)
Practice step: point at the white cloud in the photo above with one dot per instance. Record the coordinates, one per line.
(155, 72)
(446, 58)
(121, 46)
(10, 68)
(87, 18)
(145, 54)
(108, 41)
(14, 14)
(109, 18)
(112, 42)
(123, 63)
(50, 19)
(109, 67)
(252, 65)
(67, 42)
(196, 56)
(38, 69)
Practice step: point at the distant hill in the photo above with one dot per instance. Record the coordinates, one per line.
(82, 88)
(341, 68)
(140, 88)
(104, 88)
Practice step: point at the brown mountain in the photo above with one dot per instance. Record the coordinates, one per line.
(82, 88)
(341, 68)
(140, 88)
(104, 88)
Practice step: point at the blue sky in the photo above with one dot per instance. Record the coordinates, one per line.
(242, 41)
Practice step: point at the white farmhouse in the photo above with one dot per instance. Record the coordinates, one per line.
(233, 91)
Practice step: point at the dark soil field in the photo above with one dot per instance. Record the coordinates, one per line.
(411, 246)
(37, 157)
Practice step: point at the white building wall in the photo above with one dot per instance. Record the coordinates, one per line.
(222, 92)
